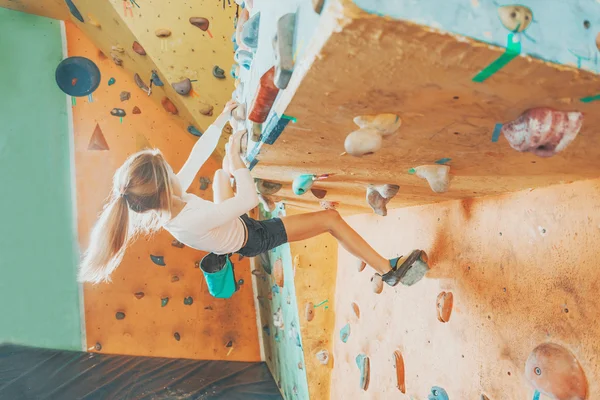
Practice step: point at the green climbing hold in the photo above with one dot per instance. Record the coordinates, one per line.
(345, 333)
(120, 315)
(412, 171)
(111, 81)
(158, 260)
(188, 301)
(164, 301)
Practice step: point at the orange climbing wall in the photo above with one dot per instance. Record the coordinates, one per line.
(523, 269)
(206, 326)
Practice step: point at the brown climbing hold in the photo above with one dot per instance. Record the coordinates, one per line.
(141, 84)
(356, 310)
(227, 129)
(162, 33)
(267, 202)
(124, 96)
(177, 336)
(267, 188)
(206, 109)
(229, 344)
(555, 372)
(200, 22)
(169, 106)
(377, 283)
(138, 49)
(364, 366)
(183, 87)
(98, 346)
(177, 243)
(98, 141)
(120, 315)
(174, 278)
(264, 98)
(204, 182)
(318, 5)
(101, 55)
(310, 311)
(319, 193)
(515, 18)
(116, 59)
(139, 295)
(484, 397)
(256, 132)
(379, 196)
(197, 264)
(136, 110)
(278, 272)
(363, 142)
(399, 360)
(444, 304)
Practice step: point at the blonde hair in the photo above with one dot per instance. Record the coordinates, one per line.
(140, 202)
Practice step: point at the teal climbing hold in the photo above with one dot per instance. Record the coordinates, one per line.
(156, 80)
(304, 182)
(164, 301)
(158, 260)
(345, 333)
(111, 81)
(188, 301)
(192, 129)
(74, 11)
(438, 393)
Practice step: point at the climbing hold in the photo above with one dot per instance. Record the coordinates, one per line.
(74, 11)
(158, 260)
(177, 336)
(364, 366)
(328, 205)
(323, 357)
(92, 21)
(360, 265)
(164, 301)
(278, 319)
(318, 5)
(379, 196)
(356, 310)
(83, 71)
(141, 84)
(188, 301)
(139, 295)
(206, 109)
(229, 344)
(239, 113)
(249, 33)
(204, 182)
(438, 176)
(304, 182)
(116, 59)
(155, 79)
(377, 283)
(444, 303)
(385, 124)
(192, 129)
(124, 95)
(399, 362)
(543, 131)
(177, 243)
(309, 311)
(437, 393)
(174, 279)
(555, 372)
(266, 187)
(300, 366)
(515, 18)
(363, 142)
(484, 397)
(218, 72)
(412, 269)
(183, 87)
(169, 106)
(265, 97)
(136, 110)
(319, 193)
(283, 49)
(117, 49)
(98, 346)
(111, 81)
(278, 272)
(267, 203)
(120, 315)
(118, 112)
(598, 41)
(345, 333)
(98, 141)
(162, 33)
(200, 22)
(256, 132)
(138, 49)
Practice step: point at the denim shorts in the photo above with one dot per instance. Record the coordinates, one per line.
(262, 236)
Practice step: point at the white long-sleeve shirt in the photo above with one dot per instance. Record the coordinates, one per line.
(202, 224)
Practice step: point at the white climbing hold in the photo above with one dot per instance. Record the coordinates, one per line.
(438, 176)
(323, 357)
(363, 142)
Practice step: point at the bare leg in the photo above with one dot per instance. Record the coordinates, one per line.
(306, 226)
(222, 189)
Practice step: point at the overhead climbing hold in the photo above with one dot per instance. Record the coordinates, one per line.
(169, 106)
(249, 34)
(543, 131)
(98, 141)
(437, 393)
(444, 304)
(120, 315)
(111, 81)
(515, 18)
(177, 336)
(438, 176)
(188, 301)
(265, 97)
(304, 182)
(267, 203)
(155, 79)
(385, 124)
(183, 87)
(98, 346)
(124, 96)
(192, 129)
(283, 49)
(218, 72)
(200, 22)
(116, 59)
(345, 333)
(139, 295)
(81, 71)
(318, 5)
(323, 357)
(162, 33)
(266, 187)
(174, 279)
(363, 142)
(364, 366)
(74, 11)
(319, 193)
(138, 49)
(555, 372)
(377, 283)
(399, 363)
(117, 49)
(206, 109)
(204, 182)
(164, 301)
(310, 311)
(93, 22)
(158, 260)
(136, 110)
(278, 272)
(118, 112)
(379, 196)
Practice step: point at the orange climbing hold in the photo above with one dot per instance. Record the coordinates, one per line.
(356, 310)
(399, 360)
(444, 304)
(310, 311)
(169, 106)
(278, 272)
(98, 141)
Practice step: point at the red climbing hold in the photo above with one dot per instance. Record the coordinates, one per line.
(169, 106)
(136, 110)
(264, 98)
(138, 49)
(98, 141)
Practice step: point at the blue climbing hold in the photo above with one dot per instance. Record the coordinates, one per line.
(345, 333)
(244, 58)
(77, 76)
(158, 260)
(156, 80)
(111, 81)
(275, 289)
(437, 393)
(74, 11)
(192, 129)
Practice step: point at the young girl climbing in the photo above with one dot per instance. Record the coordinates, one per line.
(148, 195)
